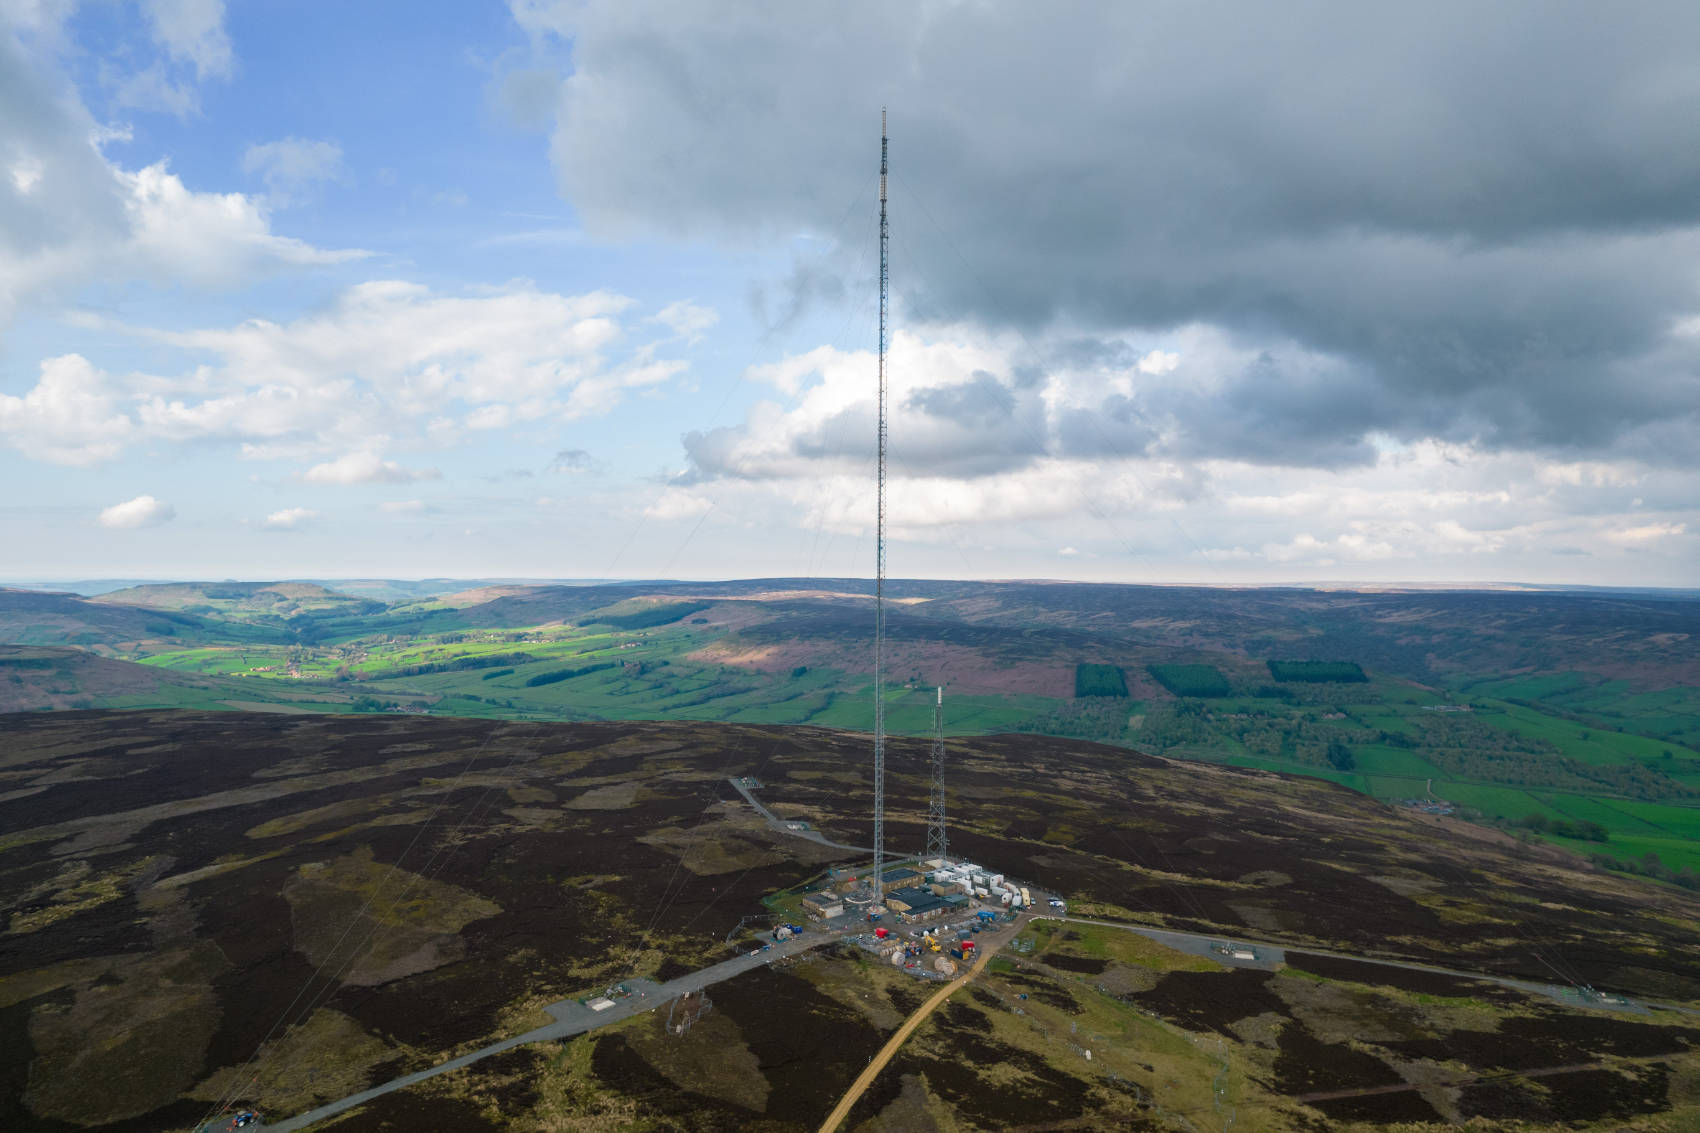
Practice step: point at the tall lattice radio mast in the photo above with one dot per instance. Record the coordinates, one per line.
(879, 575)
(936, 842)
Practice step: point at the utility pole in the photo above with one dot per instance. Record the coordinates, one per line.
(879, 573)
(936, 841)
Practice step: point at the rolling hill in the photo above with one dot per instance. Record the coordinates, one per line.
(1558, 713)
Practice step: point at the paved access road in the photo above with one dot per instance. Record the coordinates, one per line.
(1270, 954)
(778, 823)
(573, 1018)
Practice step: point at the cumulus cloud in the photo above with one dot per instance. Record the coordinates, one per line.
(389, 364)
(365, 468)
(686, 319)
(292, 166)
(289, 518)
(207, 238)
(1430, 263)
(677, 504)
(1103, 456)
(960, 418)
(70, 217)
(72, 416)
(143, 511)
(966, 403)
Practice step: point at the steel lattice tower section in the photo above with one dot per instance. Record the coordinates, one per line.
(879, 574)
(936, 841)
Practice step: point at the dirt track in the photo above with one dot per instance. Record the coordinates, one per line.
(895, 1043)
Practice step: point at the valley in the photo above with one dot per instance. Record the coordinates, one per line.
(1569, 717)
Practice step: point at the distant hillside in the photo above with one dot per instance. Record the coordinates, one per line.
(242, 599)
(35, 679)
(407, 590)
(31, 617)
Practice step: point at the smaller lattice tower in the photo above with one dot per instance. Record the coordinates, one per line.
(936, 843)
(685, 1011)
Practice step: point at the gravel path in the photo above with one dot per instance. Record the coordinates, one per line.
(898, 1038)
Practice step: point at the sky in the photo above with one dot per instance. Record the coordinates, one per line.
(1214, 293)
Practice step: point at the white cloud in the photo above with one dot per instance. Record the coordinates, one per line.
(143, 511)
(686, 319)
(69, 217)
(403, 507)
(365, 468)
(290, 517)
(1646, 533)
(1159, 362)
(192, 31)
(208, 238)
(293, 165)
(334, 388)
(676, 503)
(26, 174)
(72, 415)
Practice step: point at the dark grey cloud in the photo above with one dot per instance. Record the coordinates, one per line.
(981, 401)
(1486, 215)
(1117, 427)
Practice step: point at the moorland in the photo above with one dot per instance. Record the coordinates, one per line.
(279, 909)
